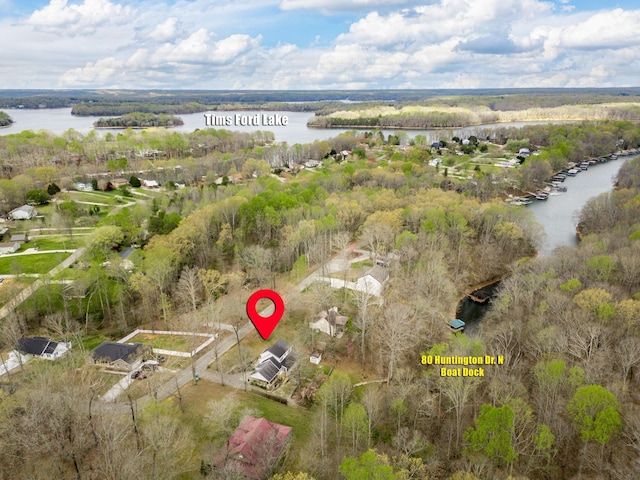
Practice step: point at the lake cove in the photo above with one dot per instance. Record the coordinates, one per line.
(558, 218)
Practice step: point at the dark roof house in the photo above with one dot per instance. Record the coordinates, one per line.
(279, 350)
(121, 356)
(42, 347)
(253, 448)
(267, 373)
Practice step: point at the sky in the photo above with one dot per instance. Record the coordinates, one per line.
(318, 44)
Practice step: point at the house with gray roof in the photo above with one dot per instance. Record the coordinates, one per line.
(273, 365)
(120, 356)
(372, 281)
(43, 347)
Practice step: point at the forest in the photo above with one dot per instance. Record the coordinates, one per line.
(460, 114)
(139, 120)
(564, 404)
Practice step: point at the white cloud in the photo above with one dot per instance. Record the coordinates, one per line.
(164, 31)
(82, 18)
(615, 28)
(192, 48)
(231, 47)
(101, 72)
(328, 6)
(387, 44)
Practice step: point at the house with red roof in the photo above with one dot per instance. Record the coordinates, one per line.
(253, 448)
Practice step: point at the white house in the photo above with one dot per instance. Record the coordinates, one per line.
(150, 184)
(331, 323)
(373, 280)
(25, 212)
(85, 187)
(272, 365)
(279, 351)
(524, 152)
(268, 373)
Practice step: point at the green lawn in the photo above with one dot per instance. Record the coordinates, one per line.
(54, 243)
(92, 197)
(178, 343)
(37, 263)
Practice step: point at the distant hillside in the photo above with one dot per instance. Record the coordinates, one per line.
(495, 99)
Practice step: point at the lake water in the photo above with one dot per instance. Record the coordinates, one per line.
(58, 120)
(559, 214)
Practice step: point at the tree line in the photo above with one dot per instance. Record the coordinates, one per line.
(139, 120)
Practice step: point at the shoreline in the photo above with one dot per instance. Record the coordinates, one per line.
(135, 128)
(394, 127)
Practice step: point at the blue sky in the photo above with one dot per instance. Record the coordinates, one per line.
(318, 44)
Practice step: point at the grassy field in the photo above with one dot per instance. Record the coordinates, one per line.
(37, 263)
(61, 242)
(179, 343)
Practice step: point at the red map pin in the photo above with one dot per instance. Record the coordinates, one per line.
(265, 325)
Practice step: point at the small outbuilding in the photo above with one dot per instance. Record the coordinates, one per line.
(20, 237)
